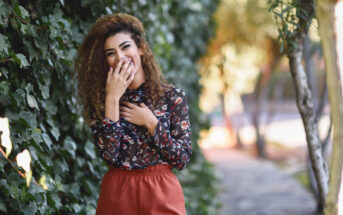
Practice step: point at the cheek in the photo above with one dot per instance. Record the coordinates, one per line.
(110, 61)
(139, 60)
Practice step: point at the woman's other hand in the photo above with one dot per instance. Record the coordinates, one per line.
(139, 115)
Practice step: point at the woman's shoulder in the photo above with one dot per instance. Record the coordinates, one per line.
(172, 91)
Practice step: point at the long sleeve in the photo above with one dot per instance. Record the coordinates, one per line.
(107, 134)
(173, 136)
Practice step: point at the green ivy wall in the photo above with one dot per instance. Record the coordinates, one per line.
(38, 43)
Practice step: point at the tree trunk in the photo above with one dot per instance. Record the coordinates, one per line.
(310, 73)
(319, 101)
(305, 106)
(260, 96)
(330, 13)
(227, 120)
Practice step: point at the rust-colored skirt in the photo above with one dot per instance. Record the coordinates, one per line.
(151, 191)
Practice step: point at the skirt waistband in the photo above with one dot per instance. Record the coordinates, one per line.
(158, 169)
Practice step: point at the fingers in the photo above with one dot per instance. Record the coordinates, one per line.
(118, 67)
(124, 114)
(125, 109)
(124, 68)
(109, 74)
(131, 74)
(128, 104)
(128, 72)
(130, 79)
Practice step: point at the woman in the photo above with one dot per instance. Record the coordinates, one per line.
(139, 122)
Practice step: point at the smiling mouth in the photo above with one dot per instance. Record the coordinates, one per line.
(127, 59)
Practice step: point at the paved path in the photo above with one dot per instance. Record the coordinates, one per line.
(253, 186)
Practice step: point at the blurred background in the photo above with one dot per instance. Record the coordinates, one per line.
(256, 77)
(250, 96)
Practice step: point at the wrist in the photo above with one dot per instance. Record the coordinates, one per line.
(111, 100)
(151, 125)
(112, 109)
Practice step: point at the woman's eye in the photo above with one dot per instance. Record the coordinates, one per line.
(109, 53)
(126, 46)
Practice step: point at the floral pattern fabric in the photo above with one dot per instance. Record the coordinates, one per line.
(129, 146)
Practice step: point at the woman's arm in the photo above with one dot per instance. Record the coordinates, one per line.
(107, 134)
(173, 137)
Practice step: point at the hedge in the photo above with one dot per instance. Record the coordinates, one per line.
(38, 43)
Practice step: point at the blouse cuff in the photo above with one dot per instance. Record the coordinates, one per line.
(109, 126)
(161, 127)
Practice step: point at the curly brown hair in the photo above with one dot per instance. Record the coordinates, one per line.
(92, 68)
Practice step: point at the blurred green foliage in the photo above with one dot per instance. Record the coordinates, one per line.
(38, 44)
(287, 14)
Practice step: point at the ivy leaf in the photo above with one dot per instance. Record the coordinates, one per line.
(19, 97)
(33, 54)
(55, 132)
(33, 152)
(21, 60)
(76, 208)
(11, 115)
(4, 45)
(42, 182)
(31, 101)
(5, 135)
(29, 118)
(28, 176)
(5, 11)
(70, 145)
(21, 11)
(50, 107)
(29, 88)
(30, 209)
(4, 72)
(45, 91)
(56, 200)
(89, 148)
(61, 166)
(47, 140)
(4, 88)
(36, 135)
(2, 206)
(23, 160)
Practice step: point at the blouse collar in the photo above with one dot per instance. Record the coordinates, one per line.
(136, 95)
(139, 88)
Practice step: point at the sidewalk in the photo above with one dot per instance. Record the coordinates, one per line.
(252, 186)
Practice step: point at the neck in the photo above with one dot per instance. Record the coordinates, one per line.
(137, 81)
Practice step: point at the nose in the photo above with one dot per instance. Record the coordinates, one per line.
(120, 55)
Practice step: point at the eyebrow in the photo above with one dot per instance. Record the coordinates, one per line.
(123, 43)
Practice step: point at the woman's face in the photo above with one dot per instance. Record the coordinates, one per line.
(120, 46)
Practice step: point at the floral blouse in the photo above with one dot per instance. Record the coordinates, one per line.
(129, 146)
